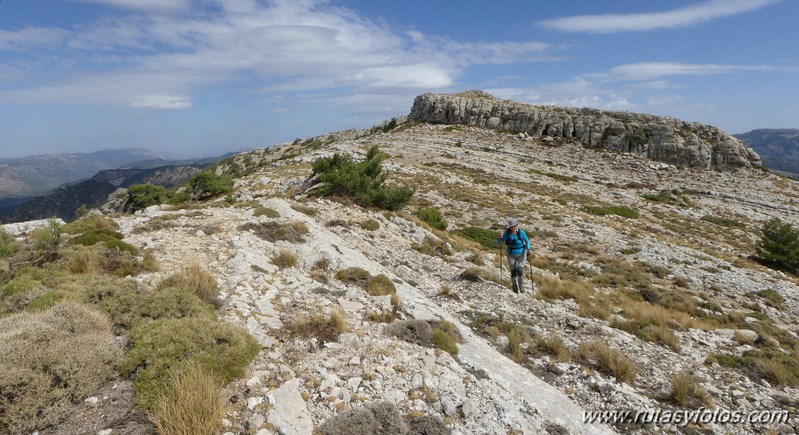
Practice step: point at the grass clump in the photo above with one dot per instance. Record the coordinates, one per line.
(686, 391)
(325, 328)
(723, 222)
(773, 299)
(433, 217)
(608, 360)
(446, 336)
(285, 259)
(771, 364)
(190, 404)
(7, 244)
(265, 211)
(432, 247)
(159, 346)
(196, 280)
(622, 211)
(292, 232)
(363, 181)
(380, 285)
(553, 345)
(90, 223)
(517, 339)
(354, 276)
(304, 209)
(50, 361)
(486, 238)
(411, 330)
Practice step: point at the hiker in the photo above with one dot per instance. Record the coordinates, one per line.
(518, 250)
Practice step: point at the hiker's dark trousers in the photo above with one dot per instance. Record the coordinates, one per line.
(516, 265)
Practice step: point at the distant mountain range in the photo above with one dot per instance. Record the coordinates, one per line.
(64, 201)
(779, 148)
(36, 175)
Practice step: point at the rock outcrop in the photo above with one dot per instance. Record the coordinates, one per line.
(664, 139)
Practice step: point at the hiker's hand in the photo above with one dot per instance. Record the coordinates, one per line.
(499, 235)
(529, 254)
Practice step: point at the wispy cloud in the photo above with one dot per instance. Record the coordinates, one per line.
(578, 92)
(143, 5)
(155, 60)
(681, 17)
(644, 71)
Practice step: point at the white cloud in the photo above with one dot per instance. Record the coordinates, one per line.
(144, 5)
(162, 102)
(31, 37)
(578, 92)
(681, 17)
(278, 46)
(654, 70)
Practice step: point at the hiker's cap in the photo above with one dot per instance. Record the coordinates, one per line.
(512, 222)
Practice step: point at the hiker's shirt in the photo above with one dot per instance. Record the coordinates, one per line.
(517, 243)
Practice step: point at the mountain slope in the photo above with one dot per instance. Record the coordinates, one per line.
(35, 175)
(622, 307)
(63, 202)
(779, 148)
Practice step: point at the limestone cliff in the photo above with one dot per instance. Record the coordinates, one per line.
(664, 139)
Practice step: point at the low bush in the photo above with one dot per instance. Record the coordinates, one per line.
(778, 247)
(426, 425)
(50, 361)
(159, 346)
(304, 209)
(446, 336)
(553, 345)
(433, 247)
(373, 419)
(47, 240)
(487, 238)
(724, 222)
(141, 196)
(433, 217)
(84, 259)
(354, 276)
(370, 225)
(363, 181)
(325, 328)
(93, 237)
(773, 299)
(412, 331)
(207, 185)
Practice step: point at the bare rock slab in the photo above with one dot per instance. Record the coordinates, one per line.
(290, 415)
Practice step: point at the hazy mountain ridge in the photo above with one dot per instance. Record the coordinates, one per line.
(63, 202)
(779, 147)
(36, 175)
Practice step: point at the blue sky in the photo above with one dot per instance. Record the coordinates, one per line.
(198, 78)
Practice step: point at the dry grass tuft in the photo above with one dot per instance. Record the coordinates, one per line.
(325, 328)
(553, 345)
(285, 259)
(608, 360)
(380, 285)
(198, 280)
(190, 404)
(517, 338)
(686, 391)
(84, 259)
(51, 360)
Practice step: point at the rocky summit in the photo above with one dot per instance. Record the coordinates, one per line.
(664, 139)
(647, 296)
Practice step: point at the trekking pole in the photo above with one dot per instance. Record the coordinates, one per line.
(501, 280)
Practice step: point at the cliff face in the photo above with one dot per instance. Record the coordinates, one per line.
(664, 139)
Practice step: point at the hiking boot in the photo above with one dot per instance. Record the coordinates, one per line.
(521, 290)
(515, 288)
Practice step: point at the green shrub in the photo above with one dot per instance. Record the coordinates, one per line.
(411, 330)
(363, 181)
(304, 209)
(487, 238)
(778, 247)
(613, 210)
(191, 403)
(47, 240)
(370, 225)
(724, 222)
(206, 185)
(121, 246)
(773, 299)
(196, 280)
(446, 337)
(7, 245)
(93, 237)
(223, 350)
(141, 196)
(432, 216)
(50, 361)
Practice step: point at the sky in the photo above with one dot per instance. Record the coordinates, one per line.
(203, 77)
